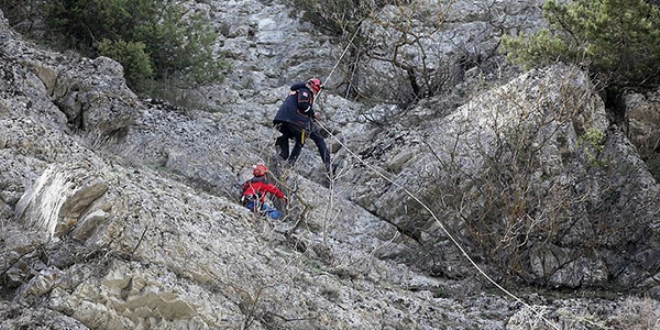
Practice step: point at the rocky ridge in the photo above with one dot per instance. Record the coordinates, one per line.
(119, 213)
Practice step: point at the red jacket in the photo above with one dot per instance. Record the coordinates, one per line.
(258, 188)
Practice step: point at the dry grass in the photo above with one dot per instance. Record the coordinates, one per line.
(637, 314)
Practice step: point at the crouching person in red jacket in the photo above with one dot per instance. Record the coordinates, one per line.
(254, 193)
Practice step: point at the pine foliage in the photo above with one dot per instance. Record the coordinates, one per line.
(617, 41)
(150, 38)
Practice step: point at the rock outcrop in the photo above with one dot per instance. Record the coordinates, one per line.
(536, 165)
(120, 213)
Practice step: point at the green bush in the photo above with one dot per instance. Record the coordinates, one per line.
(131, 55)
(181, 50)
(592, 143)
(177, 45)
(618, 41)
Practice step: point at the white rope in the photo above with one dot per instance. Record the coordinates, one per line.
(350, 42)
(427, 208)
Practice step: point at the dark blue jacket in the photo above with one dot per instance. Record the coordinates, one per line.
(297, 107)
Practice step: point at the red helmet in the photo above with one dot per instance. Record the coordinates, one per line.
(259, 170)
(315, 85)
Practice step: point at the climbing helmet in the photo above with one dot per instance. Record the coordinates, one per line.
(259, 170)
(314, 84)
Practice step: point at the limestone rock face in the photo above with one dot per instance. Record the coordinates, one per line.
(642, 113)
(144, 230)
(89, 94)
(94, 97)
(532, 162)
(60, 200)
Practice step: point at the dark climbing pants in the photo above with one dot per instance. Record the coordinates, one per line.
(291, 131)
(320, 144)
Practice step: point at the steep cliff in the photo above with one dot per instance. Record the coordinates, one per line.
(122, 213)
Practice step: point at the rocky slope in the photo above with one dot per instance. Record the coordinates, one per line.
(121, 213)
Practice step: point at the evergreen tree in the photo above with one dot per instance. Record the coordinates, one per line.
(617, 41)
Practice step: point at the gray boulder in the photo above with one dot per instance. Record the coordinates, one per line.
(526, 176)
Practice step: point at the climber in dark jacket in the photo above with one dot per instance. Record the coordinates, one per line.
(295, 121)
